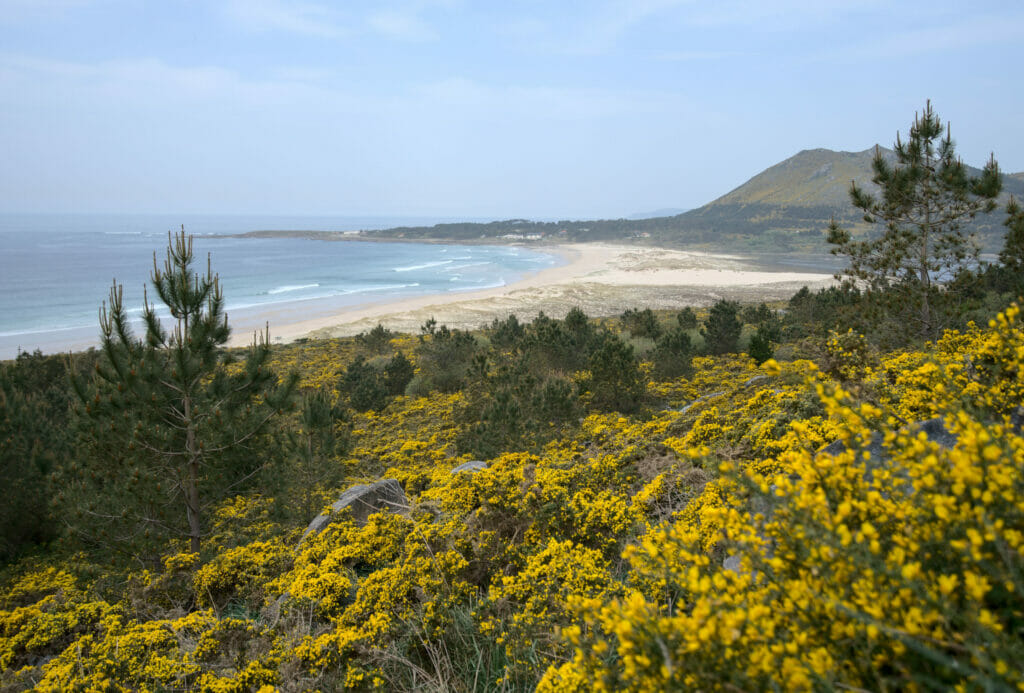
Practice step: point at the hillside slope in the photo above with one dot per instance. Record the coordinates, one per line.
(793, 201)
(785, 208)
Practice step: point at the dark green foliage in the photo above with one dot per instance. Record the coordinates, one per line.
(641, 323)
(817, 312)
(376, 340)
(760, 348)
(507, 333)
(722, 328)
(615, 383)
(757, 315)
(527, 399)
(34, 402)
(559, 346)
(444, 357)
(497, 426)
(673, 354)
(166, 429)
(1012, 255)
(924, 199)
(514, 410)
(687, 319)
(365, 386)
(322, 435)
(582, 335)
(578, 324)
(554, 402)
(398, 372)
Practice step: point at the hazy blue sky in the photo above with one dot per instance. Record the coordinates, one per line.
(499, 108)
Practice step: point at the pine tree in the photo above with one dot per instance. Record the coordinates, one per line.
(323, 434)
(616, 382)
(33, 438)
(398, 372)
(365, 386)
(687, 318)
(924, 199)
(1012, 255)
(760, 347)
(168, 422)
(673, 354)
(722, 329)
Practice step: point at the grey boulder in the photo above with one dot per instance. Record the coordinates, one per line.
(470, 467)
(362, 501)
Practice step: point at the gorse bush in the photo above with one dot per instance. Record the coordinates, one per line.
(589, 549)
(847, 517)
(853, 573)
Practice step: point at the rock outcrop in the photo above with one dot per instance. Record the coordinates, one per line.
(470, 467)
(362, 501)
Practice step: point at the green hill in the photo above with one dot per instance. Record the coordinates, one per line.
(791, 203)
(784, 208)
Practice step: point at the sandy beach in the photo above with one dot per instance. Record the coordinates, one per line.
(601, 279)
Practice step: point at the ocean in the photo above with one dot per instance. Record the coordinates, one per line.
(57, 269)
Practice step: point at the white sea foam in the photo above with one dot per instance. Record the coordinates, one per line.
(295, 287)
(425, 265)
(44, 330)
(386, 287)
(455, 268)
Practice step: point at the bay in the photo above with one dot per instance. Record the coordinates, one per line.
(56, 270)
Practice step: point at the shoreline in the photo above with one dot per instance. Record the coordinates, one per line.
(603, 279)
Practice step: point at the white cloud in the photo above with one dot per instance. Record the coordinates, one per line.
(294, 17)
(403, 25)
(599, 34)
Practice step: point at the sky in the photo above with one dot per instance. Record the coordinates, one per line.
(506, 108)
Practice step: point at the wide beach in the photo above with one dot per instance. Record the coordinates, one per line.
(601, 279)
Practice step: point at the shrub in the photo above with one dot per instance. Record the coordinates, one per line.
(444, 357)
(398, 373)
(687, 319)
(760, 347)
(722, 328)
(365, 386)
(507, 333)
(673, 354)
(615, 380)
(641, 323)
(376, 340)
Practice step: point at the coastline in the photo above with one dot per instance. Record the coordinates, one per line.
(602, 279)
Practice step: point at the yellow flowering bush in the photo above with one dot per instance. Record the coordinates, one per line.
(851, 572)
(239, 574)
(702, 543)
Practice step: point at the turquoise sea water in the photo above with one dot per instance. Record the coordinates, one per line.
(56, 270)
